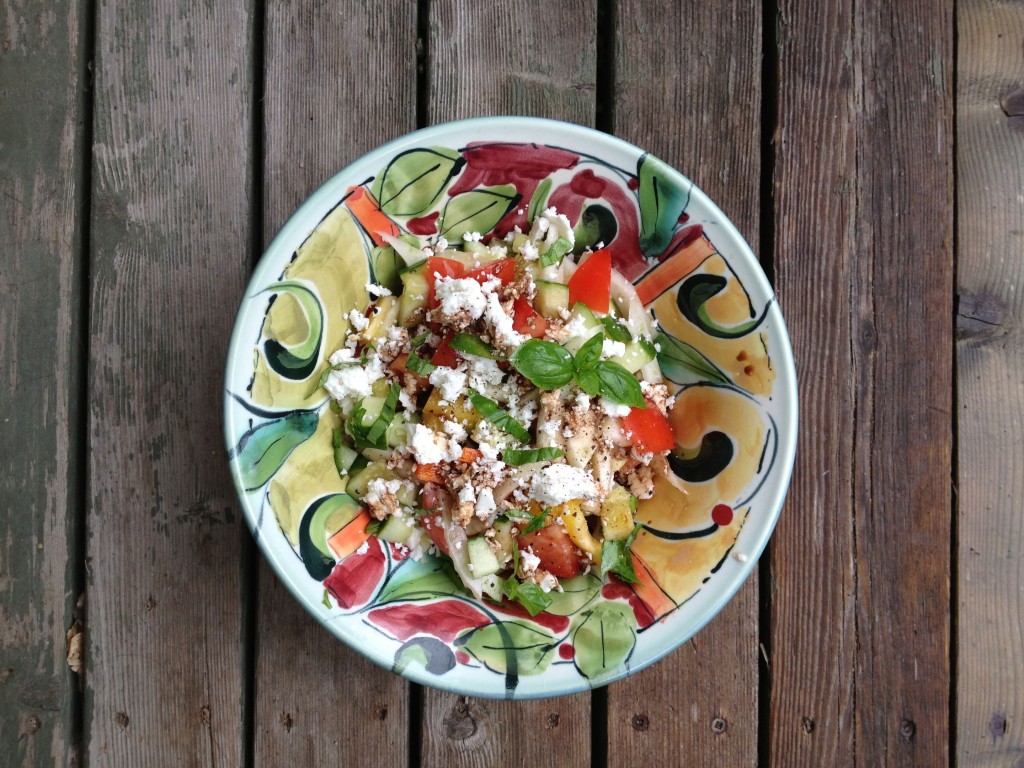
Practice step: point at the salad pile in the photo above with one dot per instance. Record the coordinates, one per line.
(502, 407)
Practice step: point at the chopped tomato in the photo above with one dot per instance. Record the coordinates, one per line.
(438, 266)
(592, 282)
(648, 429)
(470, 455)
(431, 496)
(503, 269)
(399, 367)
(555, 549)
(428, 473)
(445, 356)
(526, 320)
(434, 525)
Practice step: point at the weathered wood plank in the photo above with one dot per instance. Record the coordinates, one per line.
(688, 89)
(171, 227)
(42, 104)
(990, 376)
(902, 306)
(812, 569)
(531, 58)
(860, 665)
(339, 80)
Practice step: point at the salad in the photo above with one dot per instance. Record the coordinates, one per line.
(502, 408)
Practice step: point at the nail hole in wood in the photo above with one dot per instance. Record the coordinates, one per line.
(907, 730)
(719, 725)
(808, 725)
(553, 719)
(380, 713)
(640, 723)
(286, 721)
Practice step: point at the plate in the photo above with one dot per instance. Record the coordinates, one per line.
(722, 345)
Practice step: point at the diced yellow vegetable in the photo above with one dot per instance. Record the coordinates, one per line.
(460, 411)
(575, 523)
(383, 320)
(617, 514)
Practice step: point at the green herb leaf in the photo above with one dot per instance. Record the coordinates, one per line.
(615, 330)
(419, 340)
(373, 527)
(546, 364)
(619, 385)
(534, 599)
(471, 345)
(516, 458)
(418, 365)
(499, 417)
(555, 252)
(387, 413)
(590, 353)
(589, 381)
(616, 558)
(537, 522)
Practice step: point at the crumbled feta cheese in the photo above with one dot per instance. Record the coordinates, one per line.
(461, 295)
(529, 561)
(551, 427)
(614, 409)
(428, 446)
(455, 431)
(377, 290)
(406, 400)
(610, 348)
(577, 328)
(378, 488)
(467, 495)
(529, 251)
(558, 483)
(549, 582)
(501, 323)
(484, 376)
(351, 381)
(550, 226)
(485, 505)
(454, 450)
(358, 320)
(583, 401)
(450, 381)
(471, 237)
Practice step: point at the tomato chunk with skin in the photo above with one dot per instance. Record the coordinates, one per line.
(555, 549)
(435, 530)
(438, 267)
(526, 320)
(648, 429)
(503, 269)
(444, 356)
(592, 282)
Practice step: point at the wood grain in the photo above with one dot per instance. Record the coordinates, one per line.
(42, 103)
(860, 632)
(812, 567)
(171, 227)
(688, 89)
(990, 391)
(339, 80)
(509, 58)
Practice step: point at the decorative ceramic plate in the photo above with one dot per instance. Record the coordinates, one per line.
(723, 350)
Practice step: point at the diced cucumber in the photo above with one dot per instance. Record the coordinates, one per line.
(419, 266)
(518, 241)
(590, 323)
(639, 352)
(506, 541)
(397, 529)
(372, 406)
(397, 432)
(414, 292)
(344, 457)
(551, 299)
(383, 318)
(482, 560)
(479, 254)
(359, 482)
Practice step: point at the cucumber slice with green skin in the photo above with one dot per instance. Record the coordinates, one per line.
(590, 323)
(551, 299)
(639, 352)
(414, 292)
(478, 254)
(359, 482)
(420, 267)
(396, 530)
(344, 458)
(397, 432)
(482, 561)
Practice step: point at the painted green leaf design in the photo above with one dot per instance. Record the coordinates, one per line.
(510, 647)
(693, 297)
(263, 449)
(429, 652)
(662, 202)
(539, 199)
(478, 210)
(419, 584)
(684, 364)
(322, 518)
(297, 361)
(604, 637)
(577, 592)
(413, 181)
(597, 224)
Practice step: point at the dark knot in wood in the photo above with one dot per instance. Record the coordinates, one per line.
(808, 725)
(459, 723)
(907, 730)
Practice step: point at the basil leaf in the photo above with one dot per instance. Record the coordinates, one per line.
(616, 558)
(588, 355)
(546, 364)
(615, 330)
(471, 345)
(619, 385)
(419, 340)
(537, 522)
(516, 458)
(376, 433)
(555, 252)
(499, 417)
(534, 599)
(589, 381)
(418, 365)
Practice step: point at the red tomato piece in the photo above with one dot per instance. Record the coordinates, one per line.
(438, 266)
(503, 269)
(592, 282)
(648, 429)
(435, 530)
(526, 321)
(445, 356)
(555, 549)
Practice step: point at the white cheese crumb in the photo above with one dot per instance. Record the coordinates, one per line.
(550, 226)
(467, 495)
(549, 582)
(583, 401)
(451, 382)
(529, 561)
(428, 446)
(363, 548)
(471, 237)
(455, 431)
(501, 322)
(351, 381)
(741, 557)
(357, 320)
(614, 409)
(558, 483)
(529, 251)
(377, 290)
(378, 488)
(485, 505)
(610, 348)
(461, 295)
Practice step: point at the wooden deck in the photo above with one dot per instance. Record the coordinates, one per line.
(872, 153)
